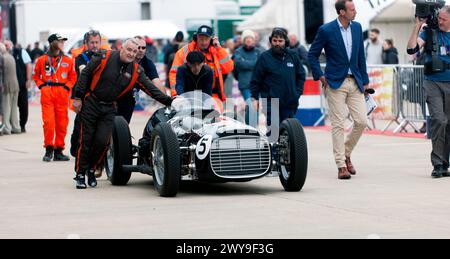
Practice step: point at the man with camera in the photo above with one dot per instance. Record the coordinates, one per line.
(436, 40)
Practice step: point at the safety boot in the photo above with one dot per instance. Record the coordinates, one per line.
(59, 156)
(48, 154)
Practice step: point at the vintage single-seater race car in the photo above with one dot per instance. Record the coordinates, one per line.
(192, 140)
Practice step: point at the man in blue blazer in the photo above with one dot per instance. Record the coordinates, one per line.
(344, 81)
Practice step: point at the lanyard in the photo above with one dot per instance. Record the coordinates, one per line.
(54, 70)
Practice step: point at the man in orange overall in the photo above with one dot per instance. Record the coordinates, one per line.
(55, 76)
(217, 59)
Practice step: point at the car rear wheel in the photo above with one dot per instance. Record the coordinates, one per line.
(293, 155)
(119, 153)
(166, 160)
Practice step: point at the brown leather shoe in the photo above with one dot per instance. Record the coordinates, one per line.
(351, 169)
(344, 174)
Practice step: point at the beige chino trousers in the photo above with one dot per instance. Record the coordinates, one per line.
(347, 98)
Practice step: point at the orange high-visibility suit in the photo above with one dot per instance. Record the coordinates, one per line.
(55, 77)
(216, 58)
(77, 51)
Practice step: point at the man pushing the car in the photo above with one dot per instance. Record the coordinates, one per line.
(105, 80)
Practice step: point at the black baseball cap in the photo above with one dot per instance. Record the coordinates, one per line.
(205, 30)
(54, 37)
(195, 57)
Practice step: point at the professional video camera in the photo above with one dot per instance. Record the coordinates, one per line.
(429, 9)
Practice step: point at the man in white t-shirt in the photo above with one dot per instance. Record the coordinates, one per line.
(374, 48)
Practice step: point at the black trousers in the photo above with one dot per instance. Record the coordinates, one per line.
(23, 106)
(97, 122)
(75, 138)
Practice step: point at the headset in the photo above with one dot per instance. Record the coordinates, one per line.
(283, 32)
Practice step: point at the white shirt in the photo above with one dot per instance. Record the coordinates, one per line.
(348, 40)
(25, 57)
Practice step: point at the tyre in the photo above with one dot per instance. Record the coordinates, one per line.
(293, 155)
(119, 153)
(166, 161)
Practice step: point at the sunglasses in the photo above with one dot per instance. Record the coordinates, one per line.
(142, 47)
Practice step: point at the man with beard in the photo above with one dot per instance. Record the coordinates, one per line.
(374, 48)
(278, 74)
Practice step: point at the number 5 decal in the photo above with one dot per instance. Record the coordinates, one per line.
(203, 147)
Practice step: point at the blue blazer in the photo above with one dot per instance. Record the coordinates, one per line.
(329, 37)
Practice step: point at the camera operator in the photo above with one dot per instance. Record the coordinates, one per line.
(437, 82)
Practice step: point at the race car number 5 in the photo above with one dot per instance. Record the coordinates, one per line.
(203, 147)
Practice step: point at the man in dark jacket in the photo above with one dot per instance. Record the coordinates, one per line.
(195, 75)
(301, 51)
(278, 74)
(98, 110)
(92, 40)
(36, 52)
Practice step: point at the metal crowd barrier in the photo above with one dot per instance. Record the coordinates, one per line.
(411, 101)
(408, 99)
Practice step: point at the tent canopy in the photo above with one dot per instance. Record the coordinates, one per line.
(286, 13)
(276, 13)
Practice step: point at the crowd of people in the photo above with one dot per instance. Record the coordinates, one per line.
(102, 82)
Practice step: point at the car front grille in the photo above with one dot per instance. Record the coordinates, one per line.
(240, 157)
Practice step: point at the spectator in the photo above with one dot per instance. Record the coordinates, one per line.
(374, 48)
(10, 93)
(195, 75)
(258, 41)
(169, 53)
(278, 74)
(298, 48)
(238, 41)
(2, 125)
(245, 59)
(152, 51)
(230, 46)
(28, 49)
(390, 53)
(24, 70)
(36, 52)
(117, 45)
